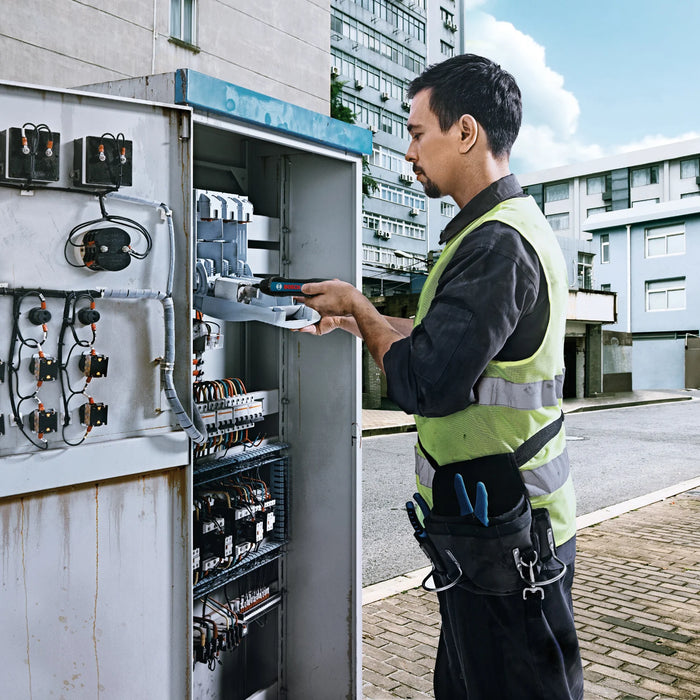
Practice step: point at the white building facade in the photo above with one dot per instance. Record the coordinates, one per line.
(633, 223)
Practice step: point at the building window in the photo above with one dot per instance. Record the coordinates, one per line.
(400, 195)
(666, 295)
(595, 185)
(690, 168)
(447, 49)
(447, 209)
(645, 176)
(585, 271)
(605, 288)
(685, 195)
(385, 227)
(596, 210)
(182, 20)
(558, 222)
(645, 202)
(605, 248)
(343, 25)
(556, 193)
(664, 240)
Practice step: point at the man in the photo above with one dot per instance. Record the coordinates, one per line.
(481, 367)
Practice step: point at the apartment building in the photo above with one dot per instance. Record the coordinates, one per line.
(278, 49)
(377, 48)
(629, 226)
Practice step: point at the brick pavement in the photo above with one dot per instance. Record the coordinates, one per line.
(637, 605)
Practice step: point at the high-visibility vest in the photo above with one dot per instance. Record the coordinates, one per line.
(515, 399)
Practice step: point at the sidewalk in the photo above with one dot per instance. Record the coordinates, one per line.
(636, 598)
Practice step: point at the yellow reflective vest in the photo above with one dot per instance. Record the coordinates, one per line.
(514, 399)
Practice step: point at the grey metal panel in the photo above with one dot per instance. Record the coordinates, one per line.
(95, 578)
(322, 425)
(93, 593)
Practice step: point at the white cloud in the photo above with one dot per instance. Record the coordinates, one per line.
(548, 137)
(550, 112)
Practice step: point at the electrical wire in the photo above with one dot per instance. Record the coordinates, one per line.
(106, 218)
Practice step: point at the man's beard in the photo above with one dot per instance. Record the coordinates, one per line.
(431, 189)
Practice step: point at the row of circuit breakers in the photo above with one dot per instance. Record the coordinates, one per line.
(239, 518)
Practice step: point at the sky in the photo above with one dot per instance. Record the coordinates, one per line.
(598, 77)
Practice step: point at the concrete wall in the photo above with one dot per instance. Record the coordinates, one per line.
(617, 361)
(279, 47)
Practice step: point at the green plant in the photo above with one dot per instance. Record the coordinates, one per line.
(344, 114)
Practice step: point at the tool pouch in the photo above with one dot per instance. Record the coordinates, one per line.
(485, 560)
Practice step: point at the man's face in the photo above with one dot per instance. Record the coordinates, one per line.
(431, 151)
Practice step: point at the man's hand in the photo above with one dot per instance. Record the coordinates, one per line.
(342, 305)
(331, 297)
(325, 325)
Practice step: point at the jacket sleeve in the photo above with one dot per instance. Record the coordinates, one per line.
(491, 283)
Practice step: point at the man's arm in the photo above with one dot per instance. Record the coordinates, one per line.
(342, 305)
(403, 326)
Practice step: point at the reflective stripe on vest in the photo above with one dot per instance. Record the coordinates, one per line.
(494, 391)
(539, 481)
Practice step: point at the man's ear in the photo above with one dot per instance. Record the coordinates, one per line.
(469, 131)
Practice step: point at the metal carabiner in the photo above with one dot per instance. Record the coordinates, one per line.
(451, 582)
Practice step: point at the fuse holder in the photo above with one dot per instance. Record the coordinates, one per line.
(93, 365)
(43, 421)
(93, 414)
(43, 368)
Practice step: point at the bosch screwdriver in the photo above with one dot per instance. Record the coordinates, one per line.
(283, 287)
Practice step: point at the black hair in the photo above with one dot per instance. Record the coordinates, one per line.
(470, 84)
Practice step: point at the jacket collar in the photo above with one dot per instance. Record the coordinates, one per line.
(500, 190)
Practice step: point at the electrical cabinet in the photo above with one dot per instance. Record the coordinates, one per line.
(179, 468)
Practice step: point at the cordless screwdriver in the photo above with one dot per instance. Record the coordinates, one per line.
(283, 287)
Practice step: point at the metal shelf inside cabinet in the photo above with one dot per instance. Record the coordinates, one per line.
(269, 551)
(211, 469)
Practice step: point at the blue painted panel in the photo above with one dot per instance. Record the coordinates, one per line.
(658, 364)
(214, 95)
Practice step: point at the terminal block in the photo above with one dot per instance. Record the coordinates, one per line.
(102, 161)
(29, 154)
(231, 413)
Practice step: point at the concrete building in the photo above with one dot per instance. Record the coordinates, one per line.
(628, 225)
(280, 49)
(377, 48)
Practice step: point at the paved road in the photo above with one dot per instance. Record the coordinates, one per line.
(616, 454)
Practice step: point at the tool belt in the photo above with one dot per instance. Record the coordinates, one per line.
(501, 553)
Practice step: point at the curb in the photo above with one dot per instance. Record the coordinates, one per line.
(413, 579)
(602, 407)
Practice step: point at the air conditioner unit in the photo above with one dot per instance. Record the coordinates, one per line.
(607, 196)
(359, 85)
(385, 96)
(335, 70)
(407, 177)
(413, 212)
(381, 233)
(406, 105)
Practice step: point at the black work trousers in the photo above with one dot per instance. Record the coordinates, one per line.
(508, 647)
